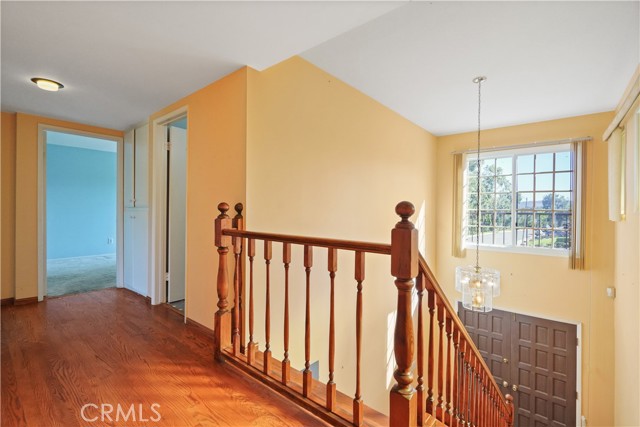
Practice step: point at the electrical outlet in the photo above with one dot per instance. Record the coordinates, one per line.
(109, 240)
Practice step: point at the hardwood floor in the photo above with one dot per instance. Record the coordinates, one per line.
(110, 347)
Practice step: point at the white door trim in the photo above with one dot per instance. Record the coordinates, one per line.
(42, 202)
(158, 231)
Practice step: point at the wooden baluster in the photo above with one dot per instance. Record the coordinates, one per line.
(420, 284)
(267, 311)
(474, 391)
(463, 382)
(404, 267)
(447, 408)
(286, 364)
(481, 390)
(456, 378)
(307, 379)
(441, 371)
(331, 386)
(357, 400)
(222, 320)
(252, 347)
(238, 224)
(511, 414)
(237, 251)
(431, 407)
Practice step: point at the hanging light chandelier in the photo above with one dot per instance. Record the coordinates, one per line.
(478, 285)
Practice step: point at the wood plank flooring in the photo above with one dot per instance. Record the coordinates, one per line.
(110, 347)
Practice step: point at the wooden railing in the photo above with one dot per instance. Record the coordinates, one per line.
(458, 389)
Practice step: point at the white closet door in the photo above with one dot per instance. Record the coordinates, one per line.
(142, 166)
(177, 213)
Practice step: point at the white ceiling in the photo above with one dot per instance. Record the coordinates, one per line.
(122, 61)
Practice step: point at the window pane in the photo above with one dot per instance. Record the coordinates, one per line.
(472, 184)
(503, 201)
(486, 218)
(471, 167)
(472, 218)
(487, 201)
(562, 240)
(524, 219)
(487, 184)
(525, 200)
(503, 183)
(488, 167)
(486, 235)
(562, 220)
(563, 181)
(525, 182)
(502, 236)
(544, 200)
(524, 164)
(562, 201)
(504, 166)
(524, 237)
(503, 219)
(544, 162)
(563, 161)
(543, 220)
(544, 182)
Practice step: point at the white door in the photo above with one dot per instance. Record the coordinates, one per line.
(176, 223)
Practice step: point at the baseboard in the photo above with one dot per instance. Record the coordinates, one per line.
(24, 301)
(7, 301)
(148, 299)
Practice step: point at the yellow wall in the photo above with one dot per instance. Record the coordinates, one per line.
(216, 134)
(544, 286)
(26, 217)
(325, 160)
(8, 204)
(627, 303)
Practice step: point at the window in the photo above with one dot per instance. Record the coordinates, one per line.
(526, 199)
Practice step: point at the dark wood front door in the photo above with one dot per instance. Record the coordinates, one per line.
(532, 359)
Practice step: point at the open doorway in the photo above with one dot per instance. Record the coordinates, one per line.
(176, 211)
(81, 176)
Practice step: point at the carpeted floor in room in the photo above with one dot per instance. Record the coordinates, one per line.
(73, 275)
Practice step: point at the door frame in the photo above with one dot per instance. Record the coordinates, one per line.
(578, 351)
(158, 231)
(42, 201)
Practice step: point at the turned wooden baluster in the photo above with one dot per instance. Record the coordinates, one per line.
(441, 372)
(286, 364)
(331, 386)
(267, 311)
(463, 383)
(307, 379)
(455, 377)
(474, 391)
(357, 400)
(431, 407)
(252, 347)
(404, 267)
(237, 251)
(222, 320)
(238, 224)
(447, 408)
(420, 393)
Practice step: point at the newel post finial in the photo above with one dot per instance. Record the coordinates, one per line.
(404, 267)
(511, 414)
(222, 319)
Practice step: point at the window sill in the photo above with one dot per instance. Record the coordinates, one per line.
(522, 250)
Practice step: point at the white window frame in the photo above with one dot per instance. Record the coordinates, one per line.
(553, 147)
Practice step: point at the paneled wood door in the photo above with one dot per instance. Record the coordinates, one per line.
(533, 359)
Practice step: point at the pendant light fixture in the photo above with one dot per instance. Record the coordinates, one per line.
(478, 285)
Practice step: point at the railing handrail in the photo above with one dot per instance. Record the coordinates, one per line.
(435, 286)
(350, 245)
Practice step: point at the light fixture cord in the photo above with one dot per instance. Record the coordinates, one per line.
(478, 183)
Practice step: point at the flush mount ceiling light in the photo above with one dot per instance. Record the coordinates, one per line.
(47, 84)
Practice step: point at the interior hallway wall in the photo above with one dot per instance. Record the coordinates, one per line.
(8, 232)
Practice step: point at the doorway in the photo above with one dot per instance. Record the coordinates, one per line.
(176, 213)
(533, 359)
(80, 174)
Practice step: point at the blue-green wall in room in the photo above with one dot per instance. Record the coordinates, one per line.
(81, 201)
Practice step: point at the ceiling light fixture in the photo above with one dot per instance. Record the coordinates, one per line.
(47, 84)
(478, 285)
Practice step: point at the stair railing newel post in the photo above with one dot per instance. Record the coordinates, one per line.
(222, 319)
(404, 267)
(511, 408)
